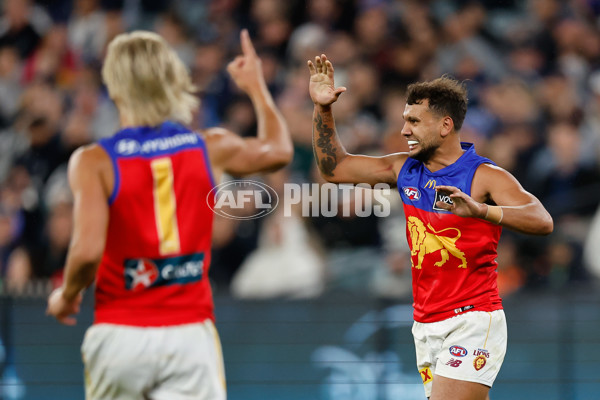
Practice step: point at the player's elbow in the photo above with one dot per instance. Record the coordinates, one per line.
(286, 155)
(87, 260)
(546, 225)
(280, 158)
(88, 255)
(542, 225)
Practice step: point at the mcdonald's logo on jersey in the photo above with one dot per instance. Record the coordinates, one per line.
(431, 184)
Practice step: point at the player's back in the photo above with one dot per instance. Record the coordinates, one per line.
(154, 270)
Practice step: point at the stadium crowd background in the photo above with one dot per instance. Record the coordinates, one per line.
(532, 69)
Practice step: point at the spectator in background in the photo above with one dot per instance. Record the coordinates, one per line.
(52, 61)
(39, 119)
(22, 26)
(286, 262)
(45, 260)
(88, 31)
(176, 33)
(92, 114)
(10, 86)
(563, 177)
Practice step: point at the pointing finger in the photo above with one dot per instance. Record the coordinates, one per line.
(247, 46)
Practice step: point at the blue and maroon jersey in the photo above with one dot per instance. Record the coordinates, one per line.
(453, 258)
(154, 270)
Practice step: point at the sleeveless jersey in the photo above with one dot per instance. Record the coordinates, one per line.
(453, 258)
(154, 270)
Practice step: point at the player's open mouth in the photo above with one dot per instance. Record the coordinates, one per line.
(412, 144)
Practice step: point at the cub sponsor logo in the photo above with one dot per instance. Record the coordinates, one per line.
(481, 352)
(412, 193)
(444, 198)
(458, 351)
(479, 362)
(454, 363)
(426, 375)
(141, 274)
(144, 273)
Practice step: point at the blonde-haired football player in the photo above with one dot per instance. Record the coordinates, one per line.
(143, 222)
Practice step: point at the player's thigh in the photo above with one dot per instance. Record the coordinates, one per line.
(426, 348)
(194, 370)
(446, 388)
(474, 349)
(118, 366)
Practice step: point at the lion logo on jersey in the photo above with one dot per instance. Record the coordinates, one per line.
(426, 240)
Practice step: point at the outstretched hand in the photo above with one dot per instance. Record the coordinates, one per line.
(246, 69)
(462, 204)
(321, 88)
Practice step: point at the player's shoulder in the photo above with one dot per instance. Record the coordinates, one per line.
(489, 170)
(490, 177)
(91, 156)
(398, 160)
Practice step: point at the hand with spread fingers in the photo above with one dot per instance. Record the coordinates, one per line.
(322, 89)
(246, 69)
(462, 204)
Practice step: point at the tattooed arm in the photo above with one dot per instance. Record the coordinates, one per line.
(334, 162)
(327, 148)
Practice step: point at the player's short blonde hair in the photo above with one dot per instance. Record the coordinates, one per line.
(147, 80)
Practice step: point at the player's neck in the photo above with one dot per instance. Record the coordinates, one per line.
(444, 156)
(125, 121)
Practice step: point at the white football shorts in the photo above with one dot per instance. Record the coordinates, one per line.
(182, 362)
(468, 347)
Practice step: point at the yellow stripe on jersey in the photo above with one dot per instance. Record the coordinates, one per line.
(165, 209)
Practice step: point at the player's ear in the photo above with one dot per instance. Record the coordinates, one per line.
(447, 126)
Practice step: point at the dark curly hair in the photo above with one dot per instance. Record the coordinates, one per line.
(446, 96)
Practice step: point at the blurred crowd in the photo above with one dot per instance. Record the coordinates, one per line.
(532, 69)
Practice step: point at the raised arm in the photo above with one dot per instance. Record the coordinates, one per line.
(334, 162)
(272, 147)
(502, 200)
(87, 168)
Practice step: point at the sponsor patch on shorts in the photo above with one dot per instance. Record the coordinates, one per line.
(458, 351)
(479, 362)
(426, 375)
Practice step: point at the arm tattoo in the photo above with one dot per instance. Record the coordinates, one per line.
(328, 163)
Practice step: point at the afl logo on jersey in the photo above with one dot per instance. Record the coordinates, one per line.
(412, 193)
(458, 351)
(127, 147)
